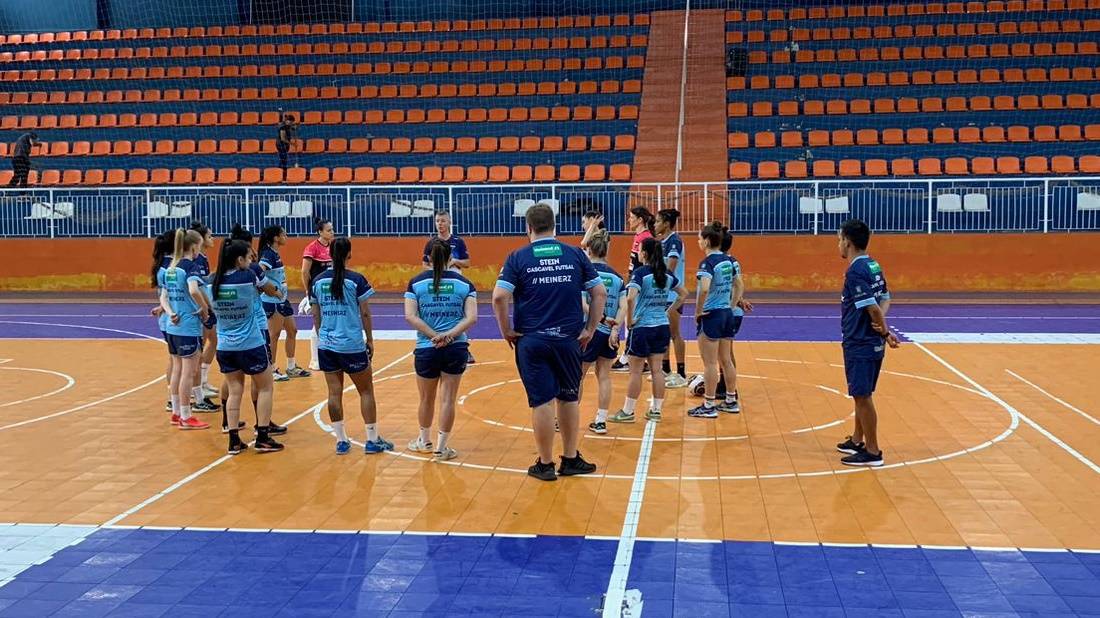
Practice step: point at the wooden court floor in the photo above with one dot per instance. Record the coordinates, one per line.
(987, 446)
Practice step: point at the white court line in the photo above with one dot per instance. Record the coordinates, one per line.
(624, 554)
(194, 475)
(69, 383)
(98, 401)
(1016, 413)
(1065, 403)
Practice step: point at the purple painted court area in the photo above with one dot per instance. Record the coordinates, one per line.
(769, 322)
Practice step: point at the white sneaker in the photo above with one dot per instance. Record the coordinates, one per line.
(314, 367)
(210, 391)
(280, 376)
(446, 454)
(417, 446)
(675, 380)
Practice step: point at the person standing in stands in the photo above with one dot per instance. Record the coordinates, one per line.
(21, 159)
(460, 257)
(545, 280)
(288, 134)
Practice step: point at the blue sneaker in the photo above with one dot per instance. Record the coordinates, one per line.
(377, 446)
(343, 447)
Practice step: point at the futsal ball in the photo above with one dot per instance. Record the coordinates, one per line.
(696, 385)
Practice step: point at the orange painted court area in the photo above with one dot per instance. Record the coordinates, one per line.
(987, 446)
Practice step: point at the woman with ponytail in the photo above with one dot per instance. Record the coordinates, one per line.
(277, 308)
(162, 256)
(315, 260)
(341, 318)
(184, 302)
(648, 311)
(639, 221)
(603, 348)
(209, 339)
(441, 305)
(718, 293)
(241, 350)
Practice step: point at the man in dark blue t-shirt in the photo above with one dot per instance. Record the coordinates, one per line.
(863, 306)
(545, 280)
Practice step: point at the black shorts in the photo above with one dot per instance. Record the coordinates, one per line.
(451, 360)
(183, 346)
(861, 371)
(348, 362)
(267, 344)
(252, 362)
(284, 308)
(647, 341)
(599, 347)
(550, 368)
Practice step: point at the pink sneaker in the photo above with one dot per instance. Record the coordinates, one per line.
(175, 422)
(193, 423)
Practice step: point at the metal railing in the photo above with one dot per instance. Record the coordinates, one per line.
(807, 207)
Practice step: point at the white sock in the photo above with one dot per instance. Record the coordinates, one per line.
(291, 364)
(338, 429)
(424, 439)
(708, 402)
(313, 347)
(442, 442)
(658, 403)
(372, 432)
(205, 372)
(628, 405)
(623, 360)
(175, 399)
(730, 398)
(185, 412)
(601, 416)
(197, 394)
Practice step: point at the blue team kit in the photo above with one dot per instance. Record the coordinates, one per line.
(441, 308)
(340, 342)
(864, 348)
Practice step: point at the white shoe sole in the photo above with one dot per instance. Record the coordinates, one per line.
(868, 464)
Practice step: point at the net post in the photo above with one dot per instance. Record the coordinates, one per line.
(931, 206)
(1046, 205)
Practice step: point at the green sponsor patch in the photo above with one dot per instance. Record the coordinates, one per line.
(874, 267)
(326, 287)
(445, 287)
(224, 294)
(170, 276)
(608, 280)
(547, 250)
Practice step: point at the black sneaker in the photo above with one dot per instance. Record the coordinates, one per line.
(275, 429)
(236, 447)
(848, 447)
(597, 427)
(543, 472)
(574, 466)
(205, 406)
(470, 358)
(240, 425)
(267, 444)
(619, 366)
(863, 458)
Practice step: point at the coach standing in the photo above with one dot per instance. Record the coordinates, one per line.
(460, 257)
(545, 280)
(21, 159)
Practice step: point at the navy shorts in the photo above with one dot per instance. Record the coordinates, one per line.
(283, 308)
(599, 347)
(648, 341)
(348, 362)
(182, 345)
(251, 362)
(451, 360)
(861, 372)
(267, 344)
(719, 324)
(549, 368)
(164, 334)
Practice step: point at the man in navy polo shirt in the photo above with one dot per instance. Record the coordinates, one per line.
(863, 305)
(545, 280)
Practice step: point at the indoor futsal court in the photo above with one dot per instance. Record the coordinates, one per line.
(618, 309)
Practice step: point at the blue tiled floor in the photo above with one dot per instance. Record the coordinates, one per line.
(193, 573)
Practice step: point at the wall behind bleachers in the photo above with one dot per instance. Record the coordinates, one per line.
(46, 15)
(919, 263)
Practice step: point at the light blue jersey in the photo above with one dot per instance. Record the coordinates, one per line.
(651, 305)
(721, 270)
(162, 320)
(276, 273)
(616, 294)
(175, 280)
(673, 247)
(258, 312)
(440, 309)
(235, 306)
(341, 324)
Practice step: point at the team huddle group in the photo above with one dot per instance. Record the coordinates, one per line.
(562, 308)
